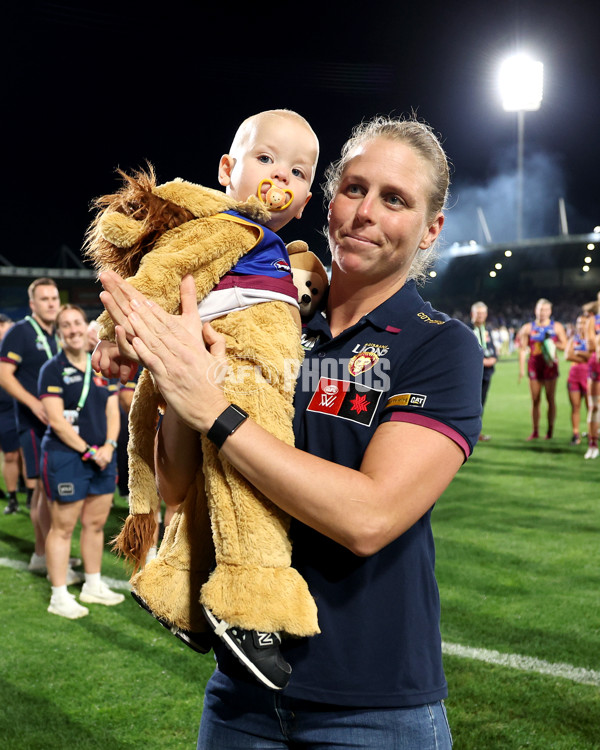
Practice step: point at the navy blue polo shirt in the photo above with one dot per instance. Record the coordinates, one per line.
(380, 644)
(59, 378)
(21, 346)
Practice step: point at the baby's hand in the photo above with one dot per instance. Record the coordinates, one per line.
(105, 354)
(108, 360)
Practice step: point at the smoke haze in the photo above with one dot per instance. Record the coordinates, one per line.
(543, 184)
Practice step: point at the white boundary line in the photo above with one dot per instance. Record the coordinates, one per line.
(113, 583)
(514, 661)
(524, 663)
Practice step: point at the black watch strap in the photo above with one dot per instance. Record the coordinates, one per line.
(226, 424)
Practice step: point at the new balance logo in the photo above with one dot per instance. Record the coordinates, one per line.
(266, 639)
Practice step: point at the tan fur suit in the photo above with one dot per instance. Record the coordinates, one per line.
(253, 585)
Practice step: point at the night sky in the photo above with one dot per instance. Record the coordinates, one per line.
(92, 87)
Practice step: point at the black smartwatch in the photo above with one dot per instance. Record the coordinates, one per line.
(226, 424)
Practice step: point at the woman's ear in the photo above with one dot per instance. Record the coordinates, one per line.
(432, 232)
(226, 165)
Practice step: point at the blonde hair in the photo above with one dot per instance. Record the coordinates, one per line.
(418, 136)
(44, 281)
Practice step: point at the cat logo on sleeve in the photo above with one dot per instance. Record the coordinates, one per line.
(407, 399)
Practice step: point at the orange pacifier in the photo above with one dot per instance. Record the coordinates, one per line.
(275, 199)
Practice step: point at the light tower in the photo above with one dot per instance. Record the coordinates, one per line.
(521, 88)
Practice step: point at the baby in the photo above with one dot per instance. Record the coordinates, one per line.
(244, 286)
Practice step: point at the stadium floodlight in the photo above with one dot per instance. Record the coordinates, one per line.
(521, 88)
(521, 84)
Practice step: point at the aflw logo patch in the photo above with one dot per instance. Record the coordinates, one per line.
(346, 400)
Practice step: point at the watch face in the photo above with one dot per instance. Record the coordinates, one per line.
(226, 424)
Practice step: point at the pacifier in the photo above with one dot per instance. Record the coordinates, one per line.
(275, 199)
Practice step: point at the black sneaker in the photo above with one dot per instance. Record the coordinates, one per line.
(12, 507)
(199, 642)
(258, 652)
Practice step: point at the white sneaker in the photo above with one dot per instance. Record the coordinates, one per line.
(592, 452)
(66, 606)
(100, 595)
(37, 564)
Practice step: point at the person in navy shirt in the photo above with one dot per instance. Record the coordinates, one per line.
(9, 437)
(387, 409)
(26, 347)
(78, 463)
(479, 313)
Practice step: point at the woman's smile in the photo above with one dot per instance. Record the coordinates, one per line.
(354, 237)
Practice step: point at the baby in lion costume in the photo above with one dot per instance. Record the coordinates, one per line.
(225, 558)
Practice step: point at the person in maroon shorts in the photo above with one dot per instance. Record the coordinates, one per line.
(578, 353)
(593, 377)
(542, 366)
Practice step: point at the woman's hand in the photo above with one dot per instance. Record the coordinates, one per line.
(186, 358)
(37, 407)
(103, 456)
(116, 360)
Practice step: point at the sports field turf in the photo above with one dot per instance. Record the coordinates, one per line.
(518, 567)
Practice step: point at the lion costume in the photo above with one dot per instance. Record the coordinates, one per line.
(155, 235)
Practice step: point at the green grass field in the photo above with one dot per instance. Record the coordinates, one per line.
(518, 567)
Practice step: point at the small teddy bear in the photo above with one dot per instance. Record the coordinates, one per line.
(309, 276)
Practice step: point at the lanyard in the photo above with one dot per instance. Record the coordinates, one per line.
(86, 383)
(41, 337)
(482, 336)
